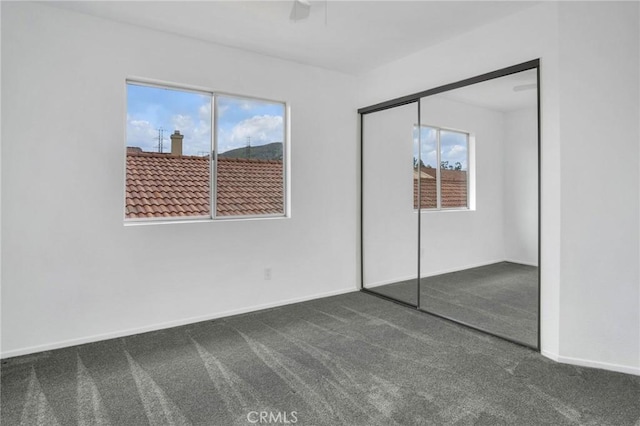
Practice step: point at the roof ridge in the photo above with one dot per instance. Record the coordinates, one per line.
(165, 155)
(199, 157)
(248, 160)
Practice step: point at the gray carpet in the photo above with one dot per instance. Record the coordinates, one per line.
(353, 359)
(501, 298)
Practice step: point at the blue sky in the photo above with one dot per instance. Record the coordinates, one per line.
(453, 146)
(149, 108)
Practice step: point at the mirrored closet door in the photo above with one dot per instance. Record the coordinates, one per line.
(479, 265)
(457, 235)
(389, 220)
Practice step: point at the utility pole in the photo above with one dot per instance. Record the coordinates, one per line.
(160, 139)
(248, 147)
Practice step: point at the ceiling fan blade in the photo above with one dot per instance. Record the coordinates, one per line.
(300, 10)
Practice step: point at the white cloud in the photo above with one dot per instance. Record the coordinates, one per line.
(197, 134)
(142, 134)
(222, 109)
(182, 122)
(429, 158)
(229, 104)
(456, 151)
(261, 129)
(456, 154)
(204, 112)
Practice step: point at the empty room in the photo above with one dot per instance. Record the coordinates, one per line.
(320, 213)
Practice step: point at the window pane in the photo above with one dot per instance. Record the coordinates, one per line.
(426, 172)
(454, 156)
(168, 146)
(250, 172)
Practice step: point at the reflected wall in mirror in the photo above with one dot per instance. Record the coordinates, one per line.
(468, 205)
(389, 222)
(480, 260)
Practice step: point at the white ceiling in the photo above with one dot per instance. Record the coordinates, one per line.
(498, 94)
(347, 36)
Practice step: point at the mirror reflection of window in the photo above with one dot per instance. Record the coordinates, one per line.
(441, 165)
(454, 154)
(425, 175)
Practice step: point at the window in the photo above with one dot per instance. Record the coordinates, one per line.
(440, 168)
(250, 139)
(193, 154)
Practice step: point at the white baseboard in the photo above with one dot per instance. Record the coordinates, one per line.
(521, 262)
(165, 325)
(552, 356)
(434, 273)
(449, 270)
(627, 369)
(391, 281)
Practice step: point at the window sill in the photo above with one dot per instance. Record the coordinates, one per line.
(449, 210)
(174, 220)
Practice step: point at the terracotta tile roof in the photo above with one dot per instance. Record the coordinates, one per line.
(453, 189)
(249, 187)
(161, 185)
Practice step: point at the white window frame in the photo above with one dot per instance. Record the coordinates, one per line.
(213, 156)
(470, 159)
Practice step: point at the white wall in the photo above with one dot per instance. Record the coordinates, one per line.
(71, 271)
(390, 224)
(521, 186)
(599, 127)
(589, 98)
(455, 240)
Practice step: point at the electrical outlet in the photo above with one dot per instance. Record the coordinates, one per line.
(267, 273)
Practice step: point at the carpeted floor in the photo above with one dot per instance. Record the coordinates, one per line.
(353, 359)
(501, 298)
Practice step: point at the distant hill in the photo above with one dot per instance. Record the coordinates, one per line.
(270, 151)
